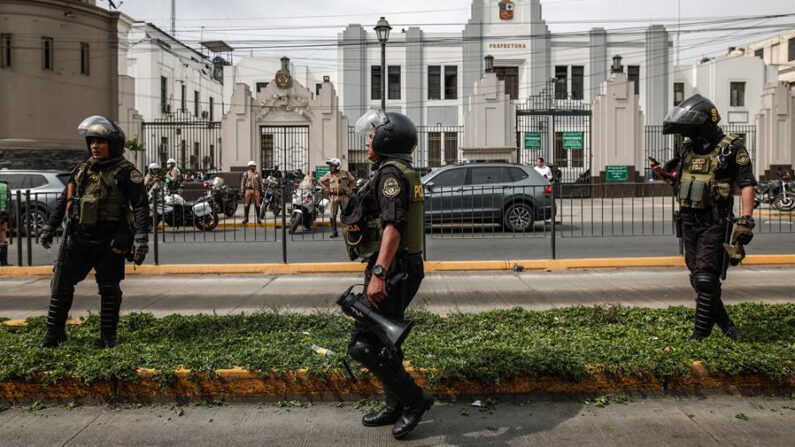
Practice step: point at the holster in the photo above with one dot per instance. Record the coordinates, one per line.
(678, 224)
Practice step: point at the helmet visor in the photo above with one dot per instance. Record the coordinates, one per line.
(369, 121)
(679, 115)
(96, 126)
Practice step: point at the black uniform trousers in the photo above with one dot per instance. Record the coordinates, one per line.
(81, 254)
(704, 234)
(366, 348)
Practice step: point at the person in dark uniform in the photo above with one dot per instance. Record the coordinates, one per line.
(391, 205)
(707, 169)
(106, 200)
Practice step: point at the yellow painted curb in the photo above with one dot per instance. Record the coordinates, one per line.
(430, 266)
(238, 383)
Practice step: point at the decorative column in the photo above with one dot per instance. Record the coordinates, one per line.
(775, 138)
(617, 140)
(489, 120)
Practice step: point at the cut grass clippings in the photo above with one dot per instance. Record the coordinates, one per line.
(492, 346)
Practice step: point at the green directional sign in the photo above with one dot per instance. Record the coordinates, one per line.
(572, 140)
(532, 140)
(616, 173)
(320, 171)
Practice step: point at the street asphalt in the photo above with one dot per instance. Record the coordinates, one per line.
(730, 420)
(441, 293)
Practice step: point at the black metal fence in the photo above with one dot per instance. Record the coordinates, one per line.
(558, 130)
(436, 146)
(547, 213)
(194, 144)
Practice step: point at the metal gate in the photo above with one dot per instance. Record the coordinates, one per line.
(194, 144)
(286, 147)
(559, 130)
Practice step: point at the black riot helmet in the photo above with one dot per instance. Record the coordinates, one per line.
(696, 117)
(395, 134)
(100, 127)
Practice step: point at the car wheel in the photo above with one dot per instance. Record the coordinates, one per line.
(37, 218)
(518, 217)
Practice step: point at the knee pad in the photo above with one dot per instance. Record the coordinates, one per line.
(706, 283)
(109, 289)
(363, 353)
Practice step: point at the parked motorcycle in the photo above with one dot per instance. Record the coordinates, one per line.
(225, 197)
(307, 204)
(272, 198)
(175, 211)
(779, 193)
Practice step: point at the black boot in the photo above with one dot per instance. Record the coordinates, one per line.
(4, 255)
(256, 207)
(386, 416)
(721, 318)
(56, 319)
(334, 227)
(703, 325)
(246, 208)
(412, 415)
(109, 320)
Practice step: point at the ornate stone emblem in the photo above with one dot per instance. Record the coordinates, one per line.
(283, 79)
(506, 9)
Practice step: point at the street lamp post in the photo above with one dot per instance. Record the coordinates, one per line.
(382, 31)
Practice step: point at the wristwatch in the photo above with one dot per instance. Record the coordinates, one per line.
(379, 271)
(748, 217)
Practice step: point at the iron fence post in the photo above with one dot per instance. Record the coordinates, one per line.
(155, 224)
(554, 212)
(19, 227)
(29, 243)
(284, 219)
(424, 229)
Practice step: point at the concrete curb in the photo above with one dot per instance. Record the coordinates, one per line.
(430, 266)
(240, 384)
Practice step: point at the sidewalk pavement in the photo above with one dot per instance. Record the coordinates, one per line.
(714, 420)
(441, 293)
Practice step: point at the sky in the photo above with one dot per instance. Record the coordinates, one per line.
(306, 30)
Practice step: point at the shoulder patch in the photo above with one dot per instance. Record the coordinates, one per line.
(135, 176)
(391, 187)
(742, 157)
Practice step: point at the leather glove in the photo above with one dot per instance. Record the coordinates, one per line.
(140, 248)
(45, 238)
(743, 231)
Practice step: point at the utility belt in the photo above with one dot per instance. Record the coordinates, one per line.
(711, 216)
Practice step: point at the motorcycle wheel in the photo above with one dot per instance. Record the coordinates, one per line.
(230, 208)
(293, 224)
(207, 223)
(784, 202)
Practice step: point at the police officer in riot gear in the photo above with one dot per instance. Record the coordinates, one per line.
(384, 227)
(106, 200)
(707, 168)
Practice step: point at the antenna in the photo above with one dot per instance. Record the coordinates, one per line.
(173, 17)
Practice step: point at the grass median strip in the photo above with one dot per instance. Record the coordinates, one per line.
(492, 346)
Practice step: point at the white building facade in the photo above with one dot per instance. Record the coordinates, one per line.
(257, 73)
(733, 84)
(778, 51)
(430, 74)
(170, 77)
